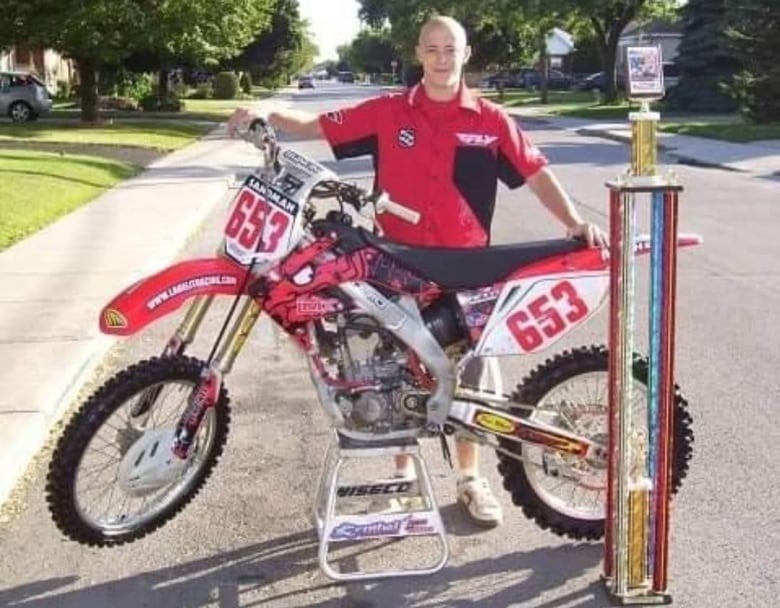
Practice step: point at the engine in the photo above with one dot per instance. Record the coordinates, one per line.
(381, 397)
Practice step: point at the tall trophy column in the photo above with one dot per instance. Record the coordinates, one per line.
(639, 467)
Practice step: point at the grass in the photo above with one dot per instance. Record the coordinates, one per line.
(160, 135)
(208, 110)
(726, 131)
(581, 104)
(28, 180)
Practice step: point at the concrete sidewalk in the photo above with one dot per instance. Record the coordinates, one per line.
(759, 159)
(56, 282)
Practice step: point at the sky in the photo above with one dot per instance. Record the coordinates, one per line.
(332, 23)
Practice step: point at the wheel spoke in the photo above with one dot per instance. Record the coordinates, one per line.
(115, 499)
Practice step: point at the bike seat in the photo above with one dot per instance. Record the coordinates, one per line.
(470, 268)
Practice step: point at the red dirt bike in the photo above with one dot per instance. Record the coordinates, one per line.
(387, 330)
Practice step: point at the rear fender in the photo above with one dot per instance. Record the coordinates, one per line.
(160, 294)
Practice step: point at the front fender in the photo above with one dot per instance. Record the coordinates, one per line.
(160, 294)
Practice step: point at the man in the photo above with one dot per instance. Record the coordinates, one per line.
(440, 150)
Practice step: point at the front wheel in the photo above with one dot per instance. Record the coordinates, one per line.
(564, 493)
(20, 111)
(113, 477)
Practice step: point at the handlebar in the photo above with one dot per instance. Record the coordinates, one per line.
(263, 136)
(385, 205)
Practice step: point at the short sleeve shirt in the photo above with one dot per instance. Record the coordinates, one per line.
(442, 160)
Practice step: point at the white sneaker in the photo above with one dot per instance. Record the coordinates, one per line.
(475, 494)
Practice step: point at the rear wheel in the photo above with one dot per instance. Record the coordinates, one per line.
(113, 477)
(567, 494)
(20, 111)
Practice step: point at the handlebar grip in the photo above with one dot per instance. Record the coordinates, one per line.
(257, 122)
(385, 205)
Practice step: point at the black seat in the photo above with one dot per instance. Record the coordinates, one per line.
(470, 268)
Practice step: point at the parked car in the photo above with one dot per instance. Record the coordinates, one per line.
(671, 75)
(555, 80)
(509, 79)
(23, 97)
(306, 82)
(346, 77)
(598, 82)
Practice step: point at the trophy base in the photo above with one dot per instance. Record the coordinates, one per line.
(643, 596)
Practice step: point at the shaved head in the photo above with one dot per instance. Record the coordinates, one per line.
(442, 51)
(447, 23)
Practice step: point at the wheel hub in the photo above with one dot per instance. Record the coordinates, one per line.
(150, 463)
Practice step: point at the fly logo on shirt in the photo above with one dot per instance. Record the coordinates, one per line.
(406, 137)
(476, 139)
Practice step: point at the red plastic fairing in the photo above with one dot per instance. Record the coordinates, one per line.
(158, 295)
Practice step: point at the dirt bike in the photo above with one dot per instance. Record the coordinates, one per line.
(387, 330)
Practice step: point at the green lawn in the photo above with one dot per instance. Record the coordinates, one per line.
(521, 97)
(210, 110)
(160, 135)
(581, 104)
(216, 107)
(37, 188)
(728, 131)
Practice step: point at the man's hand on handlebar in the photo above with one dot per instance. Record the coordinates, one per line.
(239, 121)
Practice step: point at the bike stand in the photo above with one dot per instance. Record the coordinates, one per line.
(334, 526)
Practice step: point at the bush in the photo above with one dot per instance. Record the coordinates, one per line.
(114, 102)
(246, 83)
(204, 90)
(153, 103)
(135, 85)
(63, 89)
(225, 85)
(757, 96)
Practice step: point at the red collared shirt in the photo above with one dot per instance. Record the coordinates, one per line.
(441, 159)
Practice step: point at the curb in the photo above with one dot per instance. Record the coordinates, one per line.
(669, 150)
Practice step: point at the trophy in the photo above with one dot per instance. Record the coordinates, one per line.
(639, 467)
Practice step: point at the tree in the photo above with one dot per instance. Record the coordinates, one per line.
(199, 32)
(371, 51)
(608, 18)
(103, 32)
(89, 31)
(524, 23)
(280, 51)
(755, 40)
(705, 61)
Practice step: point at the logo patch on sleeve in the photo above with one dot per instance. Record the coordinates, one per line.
(336, 117)
(406, 138)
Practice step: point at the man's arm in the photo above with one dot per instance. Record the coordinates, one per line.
(297, 123)
(290, 122)
(551, 194)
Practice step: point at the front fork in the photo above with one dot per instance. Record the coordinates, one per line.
(206, 392)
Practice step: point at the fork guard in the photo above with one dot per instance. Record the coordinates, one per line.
(160, 294)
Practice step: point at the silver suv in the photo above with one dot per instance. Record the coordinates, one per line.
(22, 96)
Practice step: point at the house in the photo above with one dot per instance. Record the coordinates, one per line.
(47, 64)
(657, 32)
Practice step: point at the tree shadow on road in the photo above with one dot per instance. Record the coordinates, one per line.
(283, 571)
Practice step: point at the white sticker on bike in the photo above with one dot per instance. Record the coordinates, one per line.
(261, 224)
(533, 313)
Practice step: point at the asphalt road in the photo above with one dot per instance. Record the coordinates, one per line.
(247, 540)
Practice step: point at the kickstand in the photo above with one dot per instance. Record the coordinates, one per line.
(445, 448)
